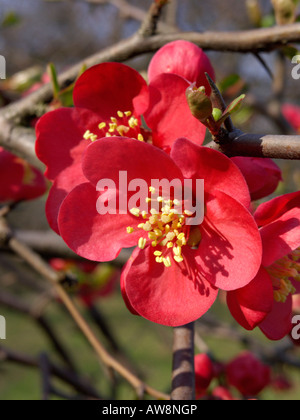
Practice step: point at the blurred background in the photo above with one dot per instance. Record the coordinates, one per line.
(34, 33)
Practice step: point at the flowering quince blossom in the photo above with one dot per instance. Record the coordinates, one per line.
(19, 180)
(175, 272)
(292, 115)
(187, 60)
(110, 100)
(267, 301)
(204, 374)
(248, 374)
(94, 280)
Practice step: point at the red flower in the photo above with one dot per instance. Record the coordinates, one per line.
(292, 115)
(204, 374)
(187, 60)
(248, 374)
(19, 180)
(173, 278)
(109, 101)
(267, 300)
(94, 280)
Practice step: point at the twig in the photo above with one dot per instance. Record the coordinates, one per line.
(46, 377)
(183, 379)
(13, 302)
(79, 384)
(256, 145)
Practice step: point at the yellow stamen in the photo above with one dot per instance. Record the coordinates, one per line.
(142, 243)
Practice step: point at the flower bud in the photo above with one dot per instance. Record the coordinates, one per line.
(200, 104)
(285, 11)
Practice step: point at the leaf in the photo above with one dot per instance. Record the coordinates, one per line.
(53, 77)
(235, 105)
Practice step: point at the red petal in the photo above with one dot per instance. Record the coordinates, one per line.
(262, 175)
(91, 235)
(292, 114)
(230, 250)
(19, 180)
(279, 322)
(170, 296)
(184, 59)
(251, 304)
(60, 142)
(106, 158)
(281, 237)
(63, 184)
(169, 115)
(274, 209)
(217, 170)
(111, 87)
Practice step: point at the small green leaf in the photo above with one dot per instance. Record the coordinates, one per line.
(235, 105)
(53, 77)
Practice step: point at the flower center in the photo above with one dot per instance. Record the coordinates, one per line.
(283, 272)
(166, 227)
(125, 124)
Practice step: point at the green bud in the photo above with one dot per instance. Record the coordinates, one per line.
(217, 114)
(285, 11)
(200, 104)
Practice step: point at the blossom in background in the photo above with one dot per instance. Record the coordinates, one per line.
(267, 301)
(19, 180)
(204, 374)
(94, 280)
(173, 275)
(248, 374)
(292, 115)
(110, 100)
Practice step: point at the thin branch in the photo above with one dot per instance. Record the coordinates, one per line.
(183, 378)
(50, 245)
(79, 384)
(13, 302)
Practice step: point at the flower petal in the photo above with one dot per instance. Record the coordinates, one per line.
(105, 159)
(60, 142)
(251, 304)
(64, 183)
(170, 296)
(111, 87)
(274, 209)
(262, 175)
(279, 322)
(281, 237)
(169, 115)
(218, 171)
(19, 180)
(91, 235)
(230, 251)
(184, 59)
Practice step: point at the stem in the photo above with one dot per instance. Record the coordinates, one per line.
(183, 378)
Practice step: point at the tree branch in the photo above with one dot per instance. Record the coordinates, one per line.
(256, 145)
(183, 379)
